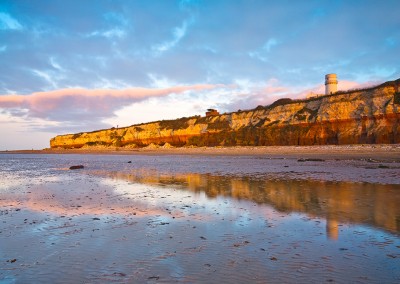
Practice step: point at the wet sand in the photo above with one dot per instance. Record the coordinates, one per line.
(363, 151)
(198, 218)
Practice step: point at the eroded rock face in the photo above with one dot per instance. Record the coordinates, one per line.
(364, 116)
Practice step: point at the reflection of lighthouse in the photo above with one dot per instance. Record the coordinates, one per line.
(330, 84)
(332, 229)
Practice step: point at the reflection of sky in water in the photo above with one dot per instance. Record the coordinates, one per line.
(11, 181)
(175, 194)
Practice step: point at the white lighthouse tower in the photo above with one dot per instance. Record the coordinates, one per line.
(330, 84)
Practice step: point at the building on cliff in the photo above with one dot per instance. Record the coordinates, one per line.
(211, 112)
(330, 84)
(312, 95)
(330, 87)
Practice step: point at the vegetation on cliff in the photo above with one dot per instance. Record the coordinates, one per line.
(369, 115)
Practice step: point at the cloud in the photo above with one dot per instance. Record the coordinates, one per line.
(7, 22)
(270, 43)
(188, 4)
(262, 53)
(178, 33)
(343, 85)
(192, 41)
(111, 33)
(45, 77)
(117, 27)
(249, 95)
(77, 106)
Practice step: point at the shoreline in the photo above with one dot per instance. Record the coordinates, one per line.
(389, 152)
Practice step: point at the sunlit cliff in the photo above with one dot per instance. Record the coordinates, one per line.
(353, 117)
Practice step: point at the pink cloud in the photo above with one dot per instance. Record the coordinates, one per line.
(343, 85)
(76, 104)
(350, 85)
(260, 94)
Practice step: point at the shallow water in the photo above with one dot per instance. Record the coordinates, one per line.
(202, 219)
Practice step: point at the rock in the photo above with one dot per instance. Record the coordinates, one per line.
(152, 146)
(311, 160)
(167, 146)
(76, 167)
(383, 167)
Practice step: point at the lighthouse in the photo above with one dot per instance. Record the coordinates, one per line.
(330, 84)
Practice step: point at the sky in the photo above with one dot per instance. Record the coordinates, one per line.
(74, 66)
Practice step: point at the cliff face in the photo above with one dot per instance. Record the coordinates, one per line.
(354, 117)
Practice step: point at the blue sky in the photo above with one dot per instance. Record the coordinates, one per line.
(70, 66)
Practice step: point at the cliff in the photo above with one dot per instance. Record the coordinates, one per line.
(354, 117)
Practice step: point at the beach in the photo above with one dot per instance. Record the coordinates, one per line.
(201, 215)
(375, 151)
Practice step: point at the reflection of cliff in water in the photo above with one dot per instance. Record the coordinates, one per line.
(338, 202)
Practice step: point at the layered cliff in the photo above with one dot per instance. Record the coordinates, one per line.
(354, 117)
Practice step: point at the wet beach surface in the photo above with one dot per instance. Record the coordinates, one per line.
(198, 219)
